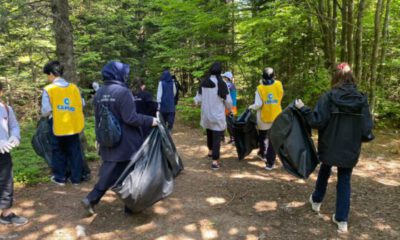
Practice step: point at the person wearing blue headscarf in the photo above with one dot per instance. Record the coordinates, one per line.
(120, 102)
(166, 98)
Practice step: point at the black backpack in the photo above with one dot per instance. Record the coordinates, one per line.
(108, 129)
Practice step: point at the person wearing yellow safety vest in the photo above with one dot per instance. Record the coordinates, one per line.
(63, 105)
(267, 102)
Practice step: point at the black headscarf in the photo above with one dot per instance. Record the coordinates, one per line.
(215, 69)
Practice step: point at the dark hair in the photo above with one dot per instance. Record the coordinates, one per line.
(1, 86)
(216, 69)
(268, 73)
(342, 76)
(53, 67)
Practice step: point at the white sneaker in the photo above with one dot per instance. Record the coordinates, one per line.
(314, 206)
(342, 226)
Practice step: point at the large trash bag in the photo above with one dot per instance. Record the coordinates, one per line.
(149, 177)
(291, 139)
(41, 143)
(245, 133)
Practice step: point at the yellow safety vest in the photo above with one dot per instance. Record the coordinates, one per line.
(66, 103)
(271, 96)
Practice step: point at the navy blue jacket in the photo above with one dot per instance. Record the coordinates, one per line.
(121, 103)
(168, 98)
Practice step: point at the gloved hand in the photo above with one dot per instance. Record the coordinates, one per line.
(14, 141)
(252, 107)
(5, 146)
(298, 103)
(156, 121)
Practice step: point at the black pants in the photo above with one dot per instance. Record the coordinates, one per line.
(6, 181)
(108, 175)
(266, 147)
(169, 118)
(214, 142)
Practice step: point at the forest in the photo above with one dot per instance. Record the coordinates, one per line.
(302, 40)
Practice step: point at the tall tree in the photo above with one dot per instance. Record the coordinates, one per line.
(64, 38)
(375, 52)
(358, 41)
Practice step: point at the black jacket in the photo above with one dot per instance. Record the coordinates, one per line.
(343, 120)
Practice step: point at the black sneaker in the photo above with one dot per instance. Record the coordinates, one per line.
(53, 180)
(13, 219)
(215, 166)
(88, 206)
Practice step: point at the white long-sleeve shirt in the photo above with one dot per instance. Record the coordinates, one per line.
(8, 123)
(213, 107)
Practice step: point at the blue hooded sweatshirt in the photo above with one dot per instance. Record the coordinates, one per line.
(120, 101)
(168, 98)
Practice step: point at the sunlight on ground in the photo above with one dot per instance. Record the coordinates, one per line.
(215, 200)
(190, 228)
(265, 206)
(160, 210)
(208, 230)
(247, 175)
(146, 227)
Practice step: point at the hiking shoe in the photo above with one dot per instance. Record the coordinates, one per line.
(314, 205)
(232, 141)
(53, 180)
(13, 219)
(342, 226)
(88, 206)
(261, 157)
(215, 166)
(269, 167)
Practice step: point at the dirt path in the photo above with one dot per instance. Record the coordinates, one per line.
(239, 201)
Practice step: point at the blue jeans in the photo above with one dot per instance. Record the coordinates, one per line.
(343, 190)
(66, 152)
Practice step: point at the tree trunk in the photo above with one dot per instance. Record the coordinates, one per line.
(349, 34)
(358, 46)
(385, 33)
(343, 40)
(64, 38)
(374, 57)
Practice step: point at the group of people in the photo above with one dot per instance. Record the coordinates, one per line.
(341, 116)
(62, 105)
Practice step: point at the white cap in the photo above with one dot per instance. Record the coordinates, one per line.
(228, 75)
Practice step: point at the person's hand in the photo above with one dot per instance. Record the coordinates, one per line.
(252, 107)
(156, 121)
(14, 141)
(298, 103)
(5, 146)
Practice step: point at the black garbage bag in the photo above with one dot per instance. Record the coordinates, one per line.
(41, 143)
(291, 139)
(149, 177)
(245, 133)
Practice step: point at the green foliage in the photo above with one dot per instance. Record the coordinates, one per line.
(29, 168)
(188, 112)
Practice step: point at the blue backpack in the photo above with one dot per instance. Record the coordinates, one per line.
(108, 130)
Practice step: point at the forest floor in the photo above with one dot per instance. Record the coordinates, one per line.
(239, 201)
